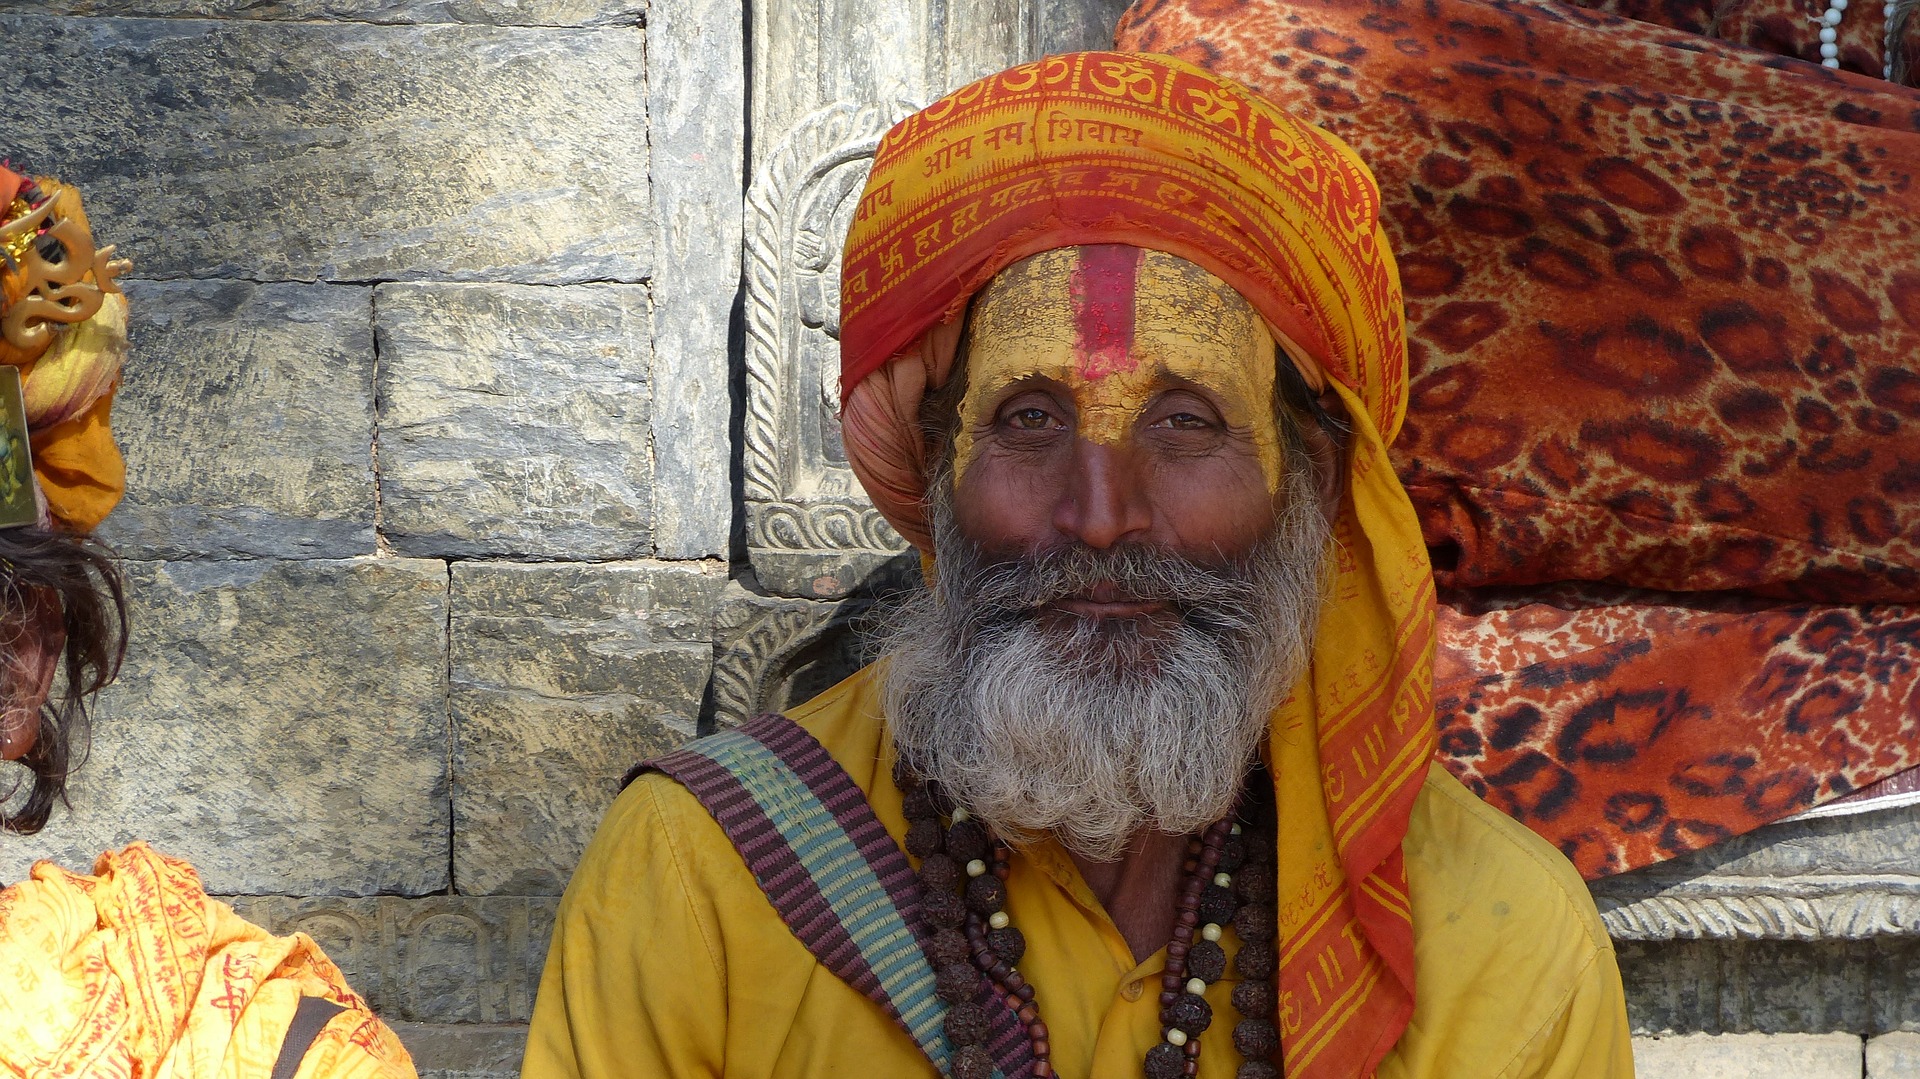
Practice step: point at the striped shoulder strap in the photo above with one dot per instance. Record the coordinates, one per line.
(838, 880)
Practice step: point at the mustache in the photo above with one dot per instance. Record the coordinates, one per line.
(1219, 598)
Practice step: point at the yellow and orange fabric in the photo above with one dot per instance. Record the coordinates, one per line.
(1663, 310)
(1149, 151)
(69, 370)
(134, 971)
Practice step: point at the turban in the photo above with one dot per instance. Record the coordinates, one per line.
(1103, 148)
(63, 324)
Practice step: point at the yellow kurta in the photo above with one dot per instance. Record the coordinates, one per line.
(668, 961)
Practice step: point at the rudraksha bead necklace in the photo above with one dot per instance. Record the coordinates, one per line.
(1229, 879)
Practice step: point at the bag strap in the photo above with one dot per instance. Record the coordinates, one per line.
(838, 880)
(309, 1016)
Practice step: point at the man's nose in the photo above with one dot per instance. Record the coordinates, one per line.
(1104, 501)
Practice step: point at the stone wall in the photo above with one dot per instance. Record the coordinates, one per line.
(427, 426)
(480, 442)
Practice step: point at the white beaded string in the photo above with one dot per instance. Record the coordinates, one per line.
(1830, 35)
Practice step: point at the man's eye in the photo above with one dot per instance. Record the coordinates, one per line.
(1185, 421)
(1031, 419)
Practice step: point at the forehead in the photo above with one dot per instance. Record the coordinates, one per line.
(1101, 297)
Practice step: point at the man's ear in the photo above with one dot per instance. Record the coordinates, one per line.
(38, 638)
(1327, 450)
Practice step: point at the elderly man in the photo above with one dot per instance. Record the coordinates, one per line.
(1142, 782)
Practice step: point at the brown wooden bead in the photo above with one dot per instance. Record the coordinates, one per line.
(1040, 1047)
(1166, 1061)
(972, 1062)
(1189, 919)
(915, 802)
(1024, 992)
(1255, 921)
(1255, 1038)
(1255, 960)
(1000, 972)
(1192, 1048)
(939, 873)
(1037, 1031)
(1009, 944)
(1189, 1012)
(1216, 905)
(924, 837)
(1257, 1069)
(943, 909)
(1191, 1069)
(947, 946)
(1178, 949)
(1207, 961)
(1254, 884)
(1254, 999)
(1168, 996)
(1042, 1070)
(986, 894)
(956, 982)
(1028, 1013)
(967, 1023)
(1233, 854)
(967, 840)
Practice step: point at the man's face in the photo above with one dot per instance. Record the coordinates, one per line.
(1129, 557)
(1116, 396)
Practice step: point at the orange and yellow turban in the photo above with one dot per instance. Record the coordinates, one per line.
(1102, 148)
(63, 323)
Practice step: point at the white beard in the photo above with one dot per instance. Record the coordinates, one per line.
(1097, 730)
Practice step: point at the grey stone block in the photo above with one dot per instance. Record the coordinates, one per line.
(464, 1050)
(246, 417)
(1894, 1056)
(563, 677)
(696, 86)
(513, 420)
(434, 959)
(345, 151)
(281, 725)
(489, 12)
(1748, 1056)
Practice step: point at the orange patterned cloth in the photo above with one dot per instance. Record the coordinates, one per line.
(69, 376)
(1096, 148)
(135, 972)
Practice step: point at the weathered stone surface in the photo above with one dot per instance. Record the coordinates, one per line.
(696, 104)
(1771, 986)
(771, 652)
(489, 12)
(563, 677)
(513, 420)
(1894, 1056)
(464, 1050)
(246, 417)
(1748, 1056)
(345, 151)
(282, 725)
(434, 959)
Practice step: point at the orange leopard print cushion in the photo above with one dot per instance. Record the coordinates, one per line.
(1664, 307)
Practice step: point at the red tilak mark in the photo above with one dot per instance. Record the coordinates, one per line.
(1102, 287)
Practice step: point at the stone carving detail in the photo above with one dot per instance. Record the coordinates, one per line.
(776, 653)
(433, 959)
(1857, 911)
(810, 529)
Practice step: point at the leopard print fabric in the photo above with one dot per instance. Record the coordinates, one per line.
(1663, 294)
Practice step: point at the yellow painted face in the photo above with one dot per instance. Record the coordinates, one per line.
(1115, 326)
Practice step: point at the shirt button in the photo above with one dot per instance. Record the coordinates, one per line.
(1132, 990)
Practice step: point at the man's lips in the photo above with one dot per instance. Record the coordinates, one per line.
(1108, 601)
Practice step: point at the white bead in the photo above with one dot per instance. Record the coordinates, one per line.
(1837, 5)
(1235, 830)
(1176, 1036)
(1830, 63)
(959, 814)
(1222, 879)
(999, 920)
(1210, 931)
(1829, 50)
(1196, 986)
(1828, 33)
(976, 867)
(1832, 17)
